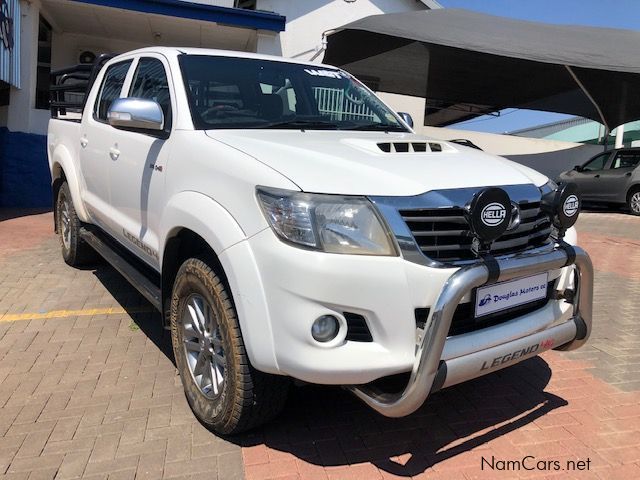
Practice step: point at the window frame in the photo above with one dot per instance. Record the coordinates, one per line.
(604, 164)
(96, 104)
(43, 44)
(636, 153)
(129, 83)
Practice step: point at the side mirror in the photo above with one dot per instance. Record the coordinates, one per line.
(578, 168)
(406, 118)
(136, 114)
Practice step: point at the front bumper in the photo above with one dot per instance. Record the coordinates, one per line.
(300, 285)
(431, 372)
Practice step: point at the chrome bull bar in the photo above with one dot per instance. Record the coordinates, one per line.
(429, 373)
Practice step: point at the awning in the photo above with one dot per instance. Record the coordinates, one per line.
(467, 63)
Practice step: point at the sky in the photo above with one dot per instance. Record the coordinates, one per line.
(596, 13)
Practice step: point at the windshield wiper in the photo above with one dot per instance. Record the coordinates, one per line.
(376, 127)
(301, 124)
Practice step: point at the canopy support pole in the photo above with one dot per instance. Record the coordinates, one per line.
(586, 92)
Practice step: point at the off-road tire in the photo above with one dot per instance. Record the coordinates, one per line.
(633, 201)
(248, 398)
(75, 251)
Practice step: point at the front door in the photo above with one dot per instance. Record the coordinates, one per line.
(614, 180)
(588, 179)
(137, 175)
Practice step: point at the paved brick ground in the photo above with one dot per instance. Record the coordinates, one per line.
(91, 392)
(88, 389)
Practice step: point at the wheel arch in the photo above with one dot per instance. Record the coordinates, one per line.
(634, 187)
(63, 169)
(195, 224)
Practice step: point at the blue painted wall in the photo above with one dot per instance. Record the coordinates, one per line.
(25, 180)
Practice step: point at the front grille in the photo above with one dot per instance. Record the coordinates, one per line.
(443, 233)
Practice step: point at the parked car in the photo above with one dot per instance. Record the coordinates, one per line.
(612, 177)
(290, 225)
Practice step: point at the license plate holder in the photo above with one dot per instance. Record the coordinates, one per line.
(512, 293)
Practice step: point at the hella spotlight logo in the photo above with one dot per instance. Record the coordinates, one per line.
(493, 214)
(571, 205)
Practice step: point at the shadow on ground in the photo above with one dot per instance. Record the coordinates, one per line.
(144, 315)
(604, 208)
(329, 427)
(11, 213)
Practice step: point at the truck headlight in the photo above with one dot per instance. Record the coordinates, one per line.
(330, 223)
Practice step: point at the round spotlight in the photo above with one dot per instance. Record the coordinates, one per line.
(489, 214)
(325, 328)
(563, 206)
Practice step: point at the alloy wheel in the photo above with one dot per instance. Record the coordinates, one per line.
(635, 202)
(65, 221)
(203, 346)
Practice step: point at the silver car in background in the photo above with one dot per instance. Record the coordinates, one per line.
(612, 177)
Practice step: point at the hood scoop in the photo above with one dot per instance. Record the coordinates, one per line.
(400, 146)
(413, 147)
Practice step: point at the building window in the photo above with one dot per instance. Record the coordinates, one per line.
(5, 90)
(246, 4)
(44, 64)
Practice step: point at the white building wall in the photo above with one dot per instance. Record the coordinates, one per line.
(22, 101)
(308, 19)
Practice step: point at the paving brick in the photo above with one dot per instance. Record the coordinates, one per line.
(87, 396)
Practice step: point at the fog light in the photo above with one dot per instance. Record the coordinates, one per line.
(325, 328)
(563, 206)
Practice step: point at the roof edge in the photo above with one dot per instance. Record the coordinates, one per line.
(254, 19)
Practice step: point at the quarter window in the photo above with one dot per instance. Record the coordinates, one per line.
(150, 82)
(111, 88)
(626, 160)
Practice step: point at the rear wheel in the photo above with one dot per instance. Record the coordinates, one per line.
(633, 201)
(224, 391)
(75, 251)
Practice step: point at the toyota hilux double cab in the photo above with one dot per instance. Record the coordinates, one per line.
(291, 226)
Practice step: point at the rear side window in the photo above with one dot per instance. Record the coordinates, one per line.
(111, 88)
(150, 82)
(626, 160)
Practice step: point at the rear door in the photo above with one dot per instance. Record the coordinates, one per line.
(614, 181)
(96, 140)
(589, 179)
(137, 176)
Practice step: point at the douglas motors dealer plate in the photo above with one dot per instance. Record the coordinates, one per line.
(501, 296)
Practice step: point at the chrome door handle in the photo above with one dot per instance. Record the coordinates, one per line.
(596, 176)
(84, 142)
(114, 153)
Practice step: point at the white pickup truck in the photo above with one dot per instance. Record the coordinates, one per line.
(290, 225)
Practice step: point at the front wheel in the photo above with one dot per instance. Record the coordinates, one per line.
(224, 391)
(633, 202)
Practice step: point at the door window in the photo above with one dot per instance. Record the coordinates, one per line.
(150, 82)
(111, 88)
(596, 163)
(626, 160)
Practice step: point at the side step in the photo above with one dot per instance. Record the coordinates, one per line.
(147, 287)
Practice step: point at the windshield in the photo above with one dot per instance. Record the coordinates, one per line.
(229, 92)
